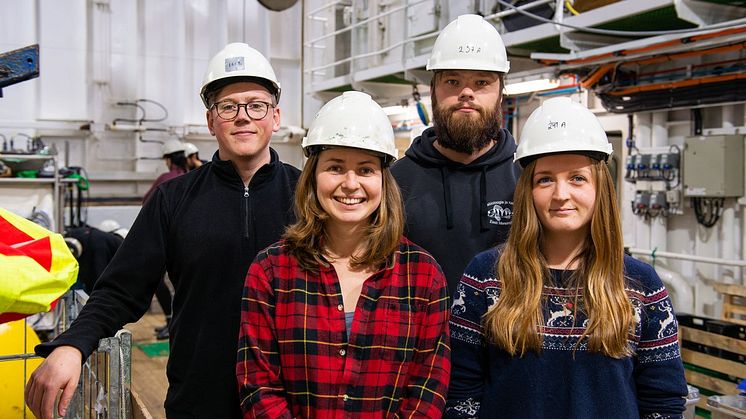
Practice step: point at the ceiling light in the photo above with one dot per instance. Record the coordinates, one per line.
(513, 89)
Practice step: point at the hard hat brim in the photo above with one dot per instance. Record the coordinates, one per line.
(595, 155)
(219, 84)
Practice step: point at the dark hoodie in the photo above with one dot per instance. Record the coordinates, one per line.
(455, 210)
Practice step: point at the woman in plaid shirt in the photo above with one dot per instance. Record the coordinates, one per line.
(345, 317)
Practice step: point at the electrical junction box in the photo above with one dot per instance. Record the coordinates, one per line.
(713, 166)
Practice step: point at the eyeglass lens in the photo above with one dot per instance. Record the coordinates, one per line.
(229, 110)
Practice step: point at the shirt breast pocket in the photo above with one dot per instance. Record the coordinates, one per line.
(401, 329)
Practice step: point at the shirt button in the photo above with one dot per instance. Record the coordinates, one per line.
(340, 307)
(345, 397)
(342, 352)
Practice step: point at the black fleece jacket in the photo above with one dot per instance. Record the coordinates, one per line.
(205, 229)
(99, 247)
(455, 210)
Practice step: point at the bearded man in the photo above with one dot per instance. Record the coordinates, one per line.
(458, 178)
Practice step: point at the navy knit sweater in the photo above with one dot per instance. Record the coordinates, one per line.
(560, 382)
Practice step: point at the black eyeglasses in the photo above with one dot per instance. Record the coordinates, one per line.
(228, 110)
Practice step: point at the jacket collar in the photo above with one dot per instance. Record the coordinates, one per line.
(226, 169)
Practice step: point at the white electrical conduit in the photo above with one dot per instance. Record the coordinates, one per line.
(693, 258)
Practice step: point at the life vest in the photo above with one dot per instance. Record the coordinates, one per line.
(36, 267)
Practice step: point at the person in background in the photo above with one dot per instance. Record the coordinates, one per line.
(192, 155)
(558, 322)
(458, 177)
(203, 228)
(94, 248)
(173, 156)
(173, 152)
(345, 316)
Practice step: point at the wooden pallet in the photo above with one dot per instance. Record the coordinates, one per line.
(734, 302)
(710, 362)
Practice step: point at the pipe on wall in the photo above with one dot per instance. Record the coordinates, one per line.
(728, 224)
(693, 258)
(680, 291)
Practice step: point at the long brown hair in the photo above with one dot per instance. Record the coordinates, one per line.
(305, 238)
(513, 323)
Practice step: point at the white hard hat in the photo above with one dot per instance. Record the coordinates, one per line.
(238, 61)
(561, 125)
(121, 232)
(190, 149)
(469, 43)
(171, 146)
(76, 248)
(108, 226)
(352, 119)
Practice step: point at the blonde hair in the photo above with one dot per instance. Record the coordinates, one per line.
(513, 323)
(305, 238)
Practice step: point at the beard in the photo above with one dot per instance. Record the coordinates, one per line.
(466, 133)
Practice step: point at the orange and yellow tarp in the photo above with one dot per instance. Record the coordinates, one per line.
(36, 267)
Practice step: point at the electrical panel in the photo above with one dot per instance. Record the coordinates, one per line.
(713, 166)
(656, 175)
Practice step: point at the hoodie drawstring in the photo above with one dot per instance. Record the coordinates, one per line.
(483, 200)
(447, 197)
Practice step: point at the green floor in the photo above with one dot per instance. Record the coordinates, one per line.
(154, 349)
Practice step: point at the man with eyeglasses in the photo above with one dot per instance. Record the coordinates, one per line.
(204, 228)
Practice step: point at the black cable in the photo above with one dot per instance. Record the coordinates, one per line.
(697, 121)
(708, 210)
(677, 97)
(143, 140)
(165, 111)
(140, 108)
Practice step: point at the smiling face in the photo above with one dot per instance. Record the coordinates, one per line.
(243, 138)
(564, 194)
(349, 184)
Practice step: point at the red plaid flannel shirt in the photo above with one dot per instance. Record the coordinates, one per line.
(295, 358)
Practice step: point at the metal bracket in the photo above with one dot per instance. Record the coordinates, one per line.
(19, 65)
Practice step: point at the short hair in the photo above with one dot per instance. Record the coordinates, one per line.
(177, 159)
(215, 87)
(304, 239)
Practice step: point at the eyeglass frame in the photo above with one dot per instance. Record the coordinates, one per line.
(245, 108)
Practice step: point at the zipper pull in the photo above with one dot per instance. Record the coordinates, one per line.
(245, 191)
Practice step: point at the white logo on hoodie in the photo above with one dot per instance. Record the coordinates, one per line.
(500, 212)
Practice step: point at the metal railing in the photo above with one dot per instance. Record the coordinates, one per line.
(104, 387)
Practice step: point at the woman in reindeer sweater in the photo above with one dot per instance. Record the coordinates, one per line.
(558, 322)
